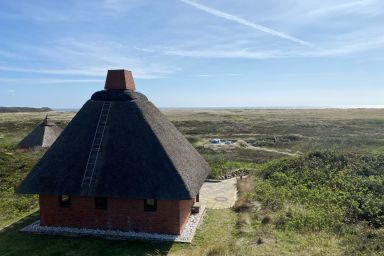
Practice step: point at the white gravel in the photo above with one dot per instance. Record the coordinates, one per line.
(185, 237)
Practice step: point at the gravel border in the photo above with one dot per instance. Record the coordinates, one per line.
(185, 237)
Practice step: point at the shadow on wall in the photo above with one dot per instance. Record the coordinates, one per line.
(14, 242)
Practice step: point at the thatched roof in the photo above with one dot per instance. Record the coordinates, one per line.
(142, 154)
(42, 136)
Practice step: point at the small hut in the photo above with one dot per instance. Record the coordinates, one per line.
(119, 164)
(42, 136)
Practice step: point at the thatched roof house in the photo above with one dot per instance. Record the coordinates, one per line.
(119, 149)
(42, 136)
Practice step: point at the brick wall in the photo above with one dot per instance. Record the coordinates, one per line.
(123, 214)
(185, 211)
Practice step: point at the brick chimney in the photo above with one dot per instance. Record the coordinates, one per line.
(119, 79)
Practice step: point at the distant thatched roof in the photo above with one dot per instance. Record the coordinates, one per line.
(42, 136)
(142, 154)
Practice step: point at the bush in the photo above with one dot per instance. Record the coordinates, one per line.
(334, 188)
(269, 197)
(266, 220)
(14, 165)
(221, 167)
(308, 220)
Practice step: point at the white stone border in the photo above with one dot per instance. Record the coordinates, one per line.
(185, 237)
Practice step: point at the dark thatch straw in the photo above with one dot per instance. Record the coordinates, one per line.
(142, 155)
(43, 136)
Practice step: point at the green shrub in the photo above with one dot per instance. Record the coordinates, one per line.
(269, 196)
(308, 220)
(220, 166)
(333, 187)
(14, 165)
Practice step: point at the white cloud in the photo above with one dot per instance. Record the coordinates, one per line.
(245, 22)
(114, 7)
(35, 12)
(11, 92)
(347, 48)
(75, 57)
(152, 57)
(346, 45)
(7, 54)
(87, 72)
(213, 53)
(46, 81)
(91, 71)
(218, 75)
(347, 7)
(78, 10)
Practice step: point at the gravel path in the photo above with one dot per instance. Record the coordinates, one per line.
(185, 237)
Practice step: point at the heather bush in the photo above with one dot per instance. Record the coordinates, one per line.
(333, 188)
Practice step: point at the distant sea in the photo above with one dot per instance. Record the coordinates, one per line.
(284, 107)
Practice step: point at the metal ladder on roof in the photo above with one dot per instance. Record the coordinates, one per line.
(96, 145)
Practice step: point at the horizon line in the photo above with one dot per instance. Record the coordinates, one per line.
(259, 107)
(59, 109)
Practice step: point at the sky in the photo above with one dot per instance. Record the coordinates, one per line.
(195, 53)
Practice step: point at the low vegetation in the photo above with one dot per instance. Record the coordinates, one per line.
(23, 109)
(220, 168)
(341, 188)
(322, 203)
(340, 194)
(326, 200)
(14, 165)
(296, 130)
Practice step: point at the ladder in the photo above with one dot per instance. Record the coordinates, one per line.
(96, 145)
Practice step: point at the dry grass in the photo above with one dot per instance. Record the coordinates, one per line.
(245, 188)
(290, 130)
(279, 114)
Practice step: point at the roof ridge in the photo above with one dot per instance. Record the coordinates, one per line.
(166, 152)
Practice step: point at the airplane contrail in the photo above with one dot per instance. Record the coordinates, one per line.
(245, 22)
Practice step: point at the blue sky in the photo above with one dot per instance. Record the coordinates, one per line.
(195, 53)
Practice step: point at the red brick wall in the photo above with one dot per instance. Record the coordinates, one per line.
(124, 214)
(185, 211)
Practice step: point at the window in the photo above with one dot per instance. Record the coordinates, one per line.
(150, 205)
(65, 201)
(101, 203)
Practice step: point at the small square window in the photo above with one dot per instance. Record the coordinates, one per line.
(65, 201)
(101, 203)
(150, 205)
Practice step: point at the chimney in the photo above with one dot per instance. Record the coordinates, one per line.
(119, 79)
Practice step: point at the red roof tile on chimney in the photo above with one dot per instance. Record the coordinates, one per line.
(119, 79)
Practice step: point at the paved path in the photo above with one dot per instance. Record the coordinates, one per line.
(219, 195)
